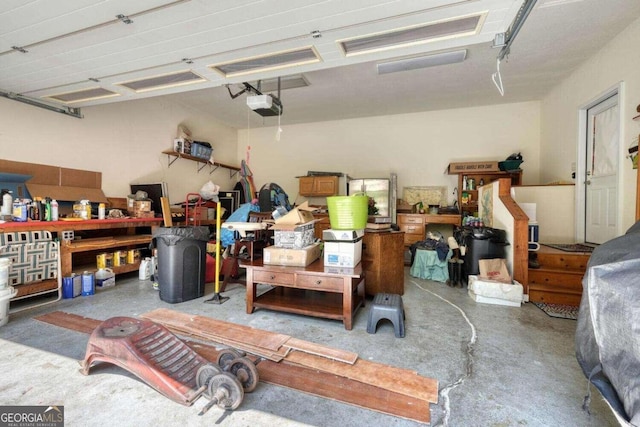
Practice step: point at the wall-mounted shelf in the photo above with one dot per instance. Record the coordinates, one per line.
(172, 156)
(471, 207)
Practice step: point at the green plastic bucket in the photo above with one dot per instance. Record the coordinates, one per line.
(348, 212)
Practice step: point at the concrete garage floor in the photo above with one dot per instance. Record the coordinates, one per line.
(523, 371)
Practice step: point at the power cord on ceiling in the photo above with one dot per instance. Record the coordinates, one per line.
(509, 37)
(279, 131)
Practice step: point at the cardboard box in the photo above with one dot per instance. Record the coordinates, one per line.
(182, 145)
(293, 236)
(139, 208)
(473, 167)
(342, 254)
(499, 293)
(142, 206)
(300, 215)
(62, 184)
(349, 271)
(291, 257)
(331, 235)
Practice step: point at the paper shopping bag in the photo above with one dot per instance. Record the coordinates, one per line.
(494, 269)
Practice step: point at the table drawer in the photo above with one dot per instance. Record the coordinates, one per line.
(412, 229)
(410, 219)
(276, 278)
(320, 283)
(410, 239)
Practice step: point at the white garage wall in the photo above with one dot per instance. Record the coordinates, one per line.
(418, 147)
(617, 61)
(123, 141)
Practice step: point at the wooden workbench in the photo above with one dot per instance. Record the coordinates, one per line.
(98, 235)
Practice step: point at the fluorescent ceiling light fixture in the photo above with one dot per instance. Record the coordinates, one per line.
(271, 61)
(415, 35)
(551, 3)
(163, 81)
(82, 95)
(424, 61)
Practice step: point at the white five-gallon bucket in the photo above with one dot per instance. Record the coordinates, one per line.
(4, 273)
(5, 296)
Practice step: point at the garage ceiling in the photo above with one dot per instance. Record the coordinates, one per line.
(80, 53)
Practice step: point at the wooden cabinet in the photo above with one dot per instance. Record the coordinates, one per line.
(318, 186)
(468, 199)
(383, 262)
(413, 227)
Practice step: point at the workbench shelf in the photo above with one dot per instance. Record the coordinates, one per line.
(127, 268)
(91, 238)
(172, 156)
(101, 243)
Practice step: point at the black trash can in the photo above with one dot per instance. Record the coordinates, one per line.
(481, 243)
(182, 256)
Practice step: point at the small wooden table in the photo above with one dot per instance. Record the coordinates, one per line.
(315, 290)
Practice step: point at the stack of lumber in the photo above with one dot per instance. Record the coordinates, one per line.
(278, 347)
(290, 362)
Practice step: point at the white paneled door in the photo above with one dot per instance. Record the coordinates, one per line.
(601, 183)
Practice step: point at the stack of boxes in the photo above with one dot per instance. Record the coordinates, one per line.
(342, 248)
(295, 245)
(294, 242)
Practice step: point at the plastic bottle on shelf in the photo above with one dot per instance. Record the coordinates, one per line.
(144, 273)
(47, 209)
(37, 207)
(88, 208)
(54, 210)
(7, 203)
(101, 211)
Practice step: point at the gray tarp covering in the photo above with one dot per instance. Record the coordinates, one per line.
(608, 330)
(173, 235)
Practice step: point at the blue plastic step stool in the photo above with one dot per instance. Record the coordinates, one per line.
(390, 307)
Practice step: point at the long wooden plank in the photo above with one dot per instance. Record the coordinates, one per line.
(70, 321)
(255, 337)
(402, 381)
(398, 380)
(333, 387)
(267, 354)
(243, 337)
(322, 350)
(292, 376)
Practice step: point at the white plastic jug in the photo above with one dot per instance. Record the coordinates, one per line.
(145, 269)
